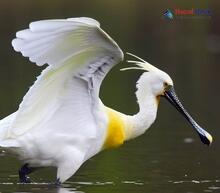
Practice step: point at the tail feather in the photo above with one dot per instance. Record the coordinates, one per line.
(5, 124)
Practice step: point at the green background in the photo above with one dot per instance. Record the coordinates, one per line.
(169, 157)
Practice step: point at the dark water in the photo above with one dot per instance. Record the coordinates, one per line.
(143, 165)
(169, 158)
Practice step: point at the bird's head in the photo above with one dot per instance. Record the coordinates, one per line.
(156, 83)
(152, 81)
(159, 84)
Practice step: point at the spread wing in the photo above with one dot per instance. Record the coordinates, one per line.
(79, 54)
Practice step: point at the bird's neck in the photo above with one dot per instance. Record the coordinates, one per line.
(140, 122)
(123, 127)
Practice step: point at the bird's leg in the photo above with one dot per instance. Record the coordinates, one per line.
(57, 182)
(23, 172)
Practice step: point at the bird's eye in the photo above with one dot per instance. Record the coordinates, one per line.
(165, 84)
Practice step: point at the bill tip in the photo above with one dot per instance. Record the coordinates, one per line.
(209, 137)
(206, 139)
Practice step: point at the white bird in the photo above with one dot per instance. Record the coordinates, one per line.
(61, 121)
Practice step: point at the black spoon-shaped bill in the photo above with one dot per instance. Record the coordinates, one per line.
(171, 96)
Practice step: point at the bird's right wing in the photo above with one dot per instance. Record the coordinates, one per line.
(59, 42)
(79, 54)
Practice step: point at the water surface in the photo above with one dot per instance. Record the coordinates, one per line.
(138, 166)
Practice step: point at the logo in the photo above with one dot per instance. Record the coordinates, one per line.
(168, 14)
(178, 13)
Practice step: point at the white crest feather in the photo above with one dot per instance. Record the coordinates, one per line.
(140, 65)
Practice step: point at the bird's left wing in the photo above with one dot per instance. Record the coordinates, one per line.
(75, 48)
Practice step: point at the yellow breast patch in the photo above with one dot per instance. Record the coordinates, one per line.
(116, 130)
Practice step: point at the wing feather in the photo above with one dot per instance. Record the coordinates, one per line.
(59, 39)
(79, 54)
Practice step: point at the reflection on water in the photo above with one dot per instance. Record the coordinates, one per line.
(36, 188)
(65, 190)
(82, 187)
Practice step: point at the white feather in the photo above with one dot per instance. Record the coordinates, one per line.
(63, 40)
(58, 121)
(142, 65)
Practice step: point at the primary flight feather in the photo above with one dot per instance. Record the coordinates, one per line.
(61, 121)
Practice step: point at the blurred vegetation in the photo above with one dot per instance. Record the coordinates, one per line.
(187, 49)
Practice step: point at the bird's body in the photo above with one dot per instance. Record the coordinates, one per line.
(61, 121)
(67, 150)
